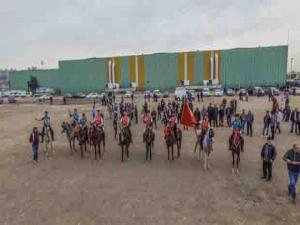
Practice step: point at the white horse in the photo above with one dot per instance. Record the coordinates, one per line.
(48, 142)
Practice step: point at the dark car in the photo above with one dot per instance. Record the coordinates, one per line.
(1, 100)
(243, 94)
(12, 99)
(78, 95)
(258, 91)
(68, 95)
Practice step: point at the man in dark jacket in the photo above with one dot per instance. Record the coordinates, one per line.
(267, 122)
(215, 115)
(292, 158)
(34, 139)
(229, 113)
(268, 155)
(249, 120)
(210, 113)
(197, 114)
(294, 120)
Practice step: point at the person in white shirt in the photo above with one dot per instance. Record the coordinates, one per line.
(279, 118)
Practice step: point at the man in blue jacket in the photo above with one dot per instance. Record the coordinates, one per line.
(268, 155)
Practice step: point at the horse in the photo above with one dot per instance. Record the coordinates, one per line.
(97, 137)
(236, 146)
(83, 139)
(178, 138)
(170, 141)
(125, 139)
(115, 124)
(148, 137)
(205, 141)
(48, 141)
(71, 133)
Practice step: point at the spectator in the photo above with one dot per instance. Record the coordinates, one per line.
(221, 116)
(294, 116)
(34, 139)
(279, 118)
(267, 122)
(243, 118)
(215, 116)
(249, 120)
(292, 158)
(229, 113)
(268, 155)
(197, 114)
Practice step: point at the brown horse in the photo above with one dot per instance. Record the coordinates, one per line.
(178, 139)
(148, 138)
(83, 139)
(72, 134)
(236, 147)
(170, 141)
(115, 125)
(97, 137)
(125, 140)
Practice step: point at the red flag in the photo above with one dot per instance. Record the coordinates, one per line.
(187, 117)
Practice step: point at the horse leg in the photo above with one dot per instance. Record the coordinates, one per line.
(237, 163)
(81, 149)
(95, 148)
(205, 160)
(168, 152)
(99, 150)
(127, 151)
(147, 151)
(172, 152)
(150, 151)
(178, 149)
(71, 149)
(122, 153)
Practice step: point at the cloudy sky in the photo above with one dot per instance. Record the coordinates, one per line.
(52, 30)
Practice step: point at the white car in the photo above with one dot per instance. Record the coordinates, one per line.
(206, 92)
(180, 92)
(219, 92)
(44, 98)
(157, 93)
(127, 94)
(297, 91)
(93, 95)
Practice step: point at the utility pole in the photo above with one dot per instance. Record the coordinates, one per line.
(292, 59)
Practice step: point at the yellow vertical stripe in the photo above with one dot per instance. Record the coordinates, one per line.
(180, 67)
(206, 65)
(190, 67)
(118, 70)
(141, 70)
(132, 68)
(107, 69)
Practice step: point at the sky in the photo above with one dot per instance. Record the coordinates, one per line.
(51, 30)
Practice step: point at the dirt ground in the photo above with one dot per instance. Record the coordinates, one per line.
(63, 189)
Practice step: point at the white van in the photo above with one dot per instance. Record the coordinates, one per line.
(180, 92)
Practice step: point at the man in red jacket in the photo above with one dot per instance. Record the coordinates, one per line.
(34, 139)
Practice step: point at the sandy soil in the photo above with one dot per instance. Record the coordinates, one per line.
(63, 189)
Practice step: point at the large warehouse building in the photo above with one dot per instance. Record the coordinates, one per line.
(231, 68)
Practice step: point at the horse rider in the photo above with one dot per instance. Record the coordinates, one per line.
(173, 123)
(74, 117)
(237, 128)
(148, 120)
(83, 122)
(99, 121)
(125, 123)
(167, 130)
(46, 124)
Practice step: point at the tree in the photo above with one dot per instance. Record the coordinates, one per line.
(33, 84)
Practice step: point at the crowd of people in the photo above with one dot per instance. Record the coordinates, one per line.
(214, 115)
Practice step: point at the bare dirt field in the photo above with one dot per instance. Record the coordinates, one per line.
(63, 189)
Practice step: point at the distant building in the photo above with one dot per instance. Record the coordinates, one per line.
(4, 80)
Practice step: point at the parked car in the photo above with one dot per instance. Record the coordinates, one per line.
(44, 98)
(147, 93)
(157, 93)
(68, 95)
(12, 99)
(127, 94)
(166, 94)
(218, 92)
(79, 95)
(93, 96)
(294, 90)
(230, 92)
(6, 94)
(258, 91)
(1, 100)
(206, 92)
(273, 90)
(180, 92)
(190, 92)
(243, 95)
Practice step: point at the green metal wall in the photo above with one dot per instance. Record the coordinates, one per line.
(88, 75)
(254, 66)
(161, 71)
(46, 78)
(125, 72)
(198, 68)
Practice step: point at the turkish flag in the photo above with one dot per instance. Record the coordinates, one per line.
(187, 117)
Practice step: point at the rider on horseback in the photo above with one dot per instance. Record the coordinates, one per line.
(167, 130)
(74, 117)
(173, 123)
(46, 124)
(84, 123)
(237, 127)
(125, 123)
(148, 120)
(99, 121)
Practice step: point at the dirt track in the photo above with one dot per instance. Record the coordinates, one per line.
(64, 189)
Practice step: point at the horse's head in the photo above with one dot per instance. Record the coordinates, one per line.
(236, 136)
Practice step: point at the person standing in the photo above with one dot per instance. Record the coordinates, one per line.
(229, 113)
(136, 114)
(292, 158)
(94, 111)
(34, 139)
(267, 122)
(197, 114)
(215, 116)
(201, 95)
(279, 118)
(198, 96)
(249, 120)
(273, 125)
(268, 155)
(243, 118)
(294, 120)
(210, 113)
(153, 115)
(159, 110)
(221, 116)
